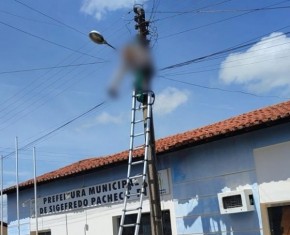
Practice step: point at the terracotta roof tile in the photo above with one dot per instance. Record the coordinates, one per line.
(245, 122)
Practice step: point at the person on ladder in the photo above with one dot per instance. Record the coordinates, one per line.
(136, 58)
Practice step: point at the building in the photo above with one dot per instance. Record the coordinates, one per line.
(231, 177)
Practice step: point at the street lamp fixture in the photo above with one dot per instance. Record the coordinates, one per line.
(98, 38)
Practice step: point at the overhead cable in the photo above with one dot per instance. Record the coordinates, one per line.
(217, 22)
(48, 68)
(222, 10)
(227, 50)
(49, 17)
(48, 41)
(34, 142)
(204, 7)
(223, 90)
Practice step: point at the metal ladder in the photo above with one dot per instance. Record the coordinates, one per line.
(137, 180)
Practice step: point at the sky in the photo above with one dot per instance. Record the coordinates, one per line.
(50, 72)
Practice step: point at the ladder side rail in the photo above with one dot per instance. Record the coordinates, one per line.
(147, 136)
(133, 116)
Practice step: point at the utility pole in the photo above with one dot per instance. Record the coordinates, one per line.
(153, 182)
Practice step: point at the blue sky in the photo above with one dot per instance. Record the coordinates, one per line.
(36, 102)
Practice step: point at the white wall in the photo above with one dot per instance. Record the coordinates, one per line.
(97, 219)
(101, 218)
(273, 172)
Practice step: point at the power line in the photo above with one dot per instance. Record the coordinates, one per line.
(14, 117)
(222, 89)
(58, 128)
(232, 61)
(227, 50)
(49, 68)
(226, 67)
(48, 41)
(217, 22)
(179, 14)
(49, 17)
(23, 92)
(28, 19)
(222, 10)
(43, 84)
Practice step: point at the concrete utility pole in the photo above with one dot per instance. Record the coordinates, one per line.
(153, 183)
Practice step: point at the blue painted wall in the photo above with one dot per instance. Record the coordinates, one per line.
(62, 185)
(197, 175)
(200, 173)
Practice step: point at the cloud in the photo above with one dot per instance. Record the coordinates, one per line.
(98, 8)
(104, 118)
(169, 100)
(263, 67)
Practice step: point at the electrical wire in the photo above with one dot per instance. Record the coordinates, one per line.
(22, 100)
(232, 61)
(222, 89)
(25, 110)
(228, 67)
(221, 52)
(51, 18)
(48, 41)
(217, 22)
(222, 10)
(49, 68)
(201, 8)
(27, 19)
(43, 85)
(40, 152)
(34, 142)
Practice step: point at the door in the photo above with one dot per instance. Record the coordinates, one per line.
(279, 220)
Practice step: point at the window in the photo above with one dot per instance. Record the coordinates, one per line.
(145, 227)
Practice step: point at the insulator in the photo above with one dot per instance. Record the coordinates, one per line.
(136, 18)
(135, 9)
(139, 10)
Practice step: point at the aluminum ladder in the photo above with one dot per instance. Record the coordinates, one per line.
(137, 168)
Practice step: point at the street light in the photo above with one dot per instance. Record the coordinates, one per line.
(98, 38)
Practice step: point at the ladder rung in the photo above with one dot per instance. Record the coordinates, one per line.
(139, 147)
(136, 109)
(138, 121)
(137, 162)
(139, 134)
(136, 176)
(133, 194)
(133, 209)
(129, 225)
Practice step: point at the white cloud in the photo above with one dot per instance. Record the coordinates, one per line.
(103, 118)
(106, 118)
(263, 67)
(99, 8)
(169, 100)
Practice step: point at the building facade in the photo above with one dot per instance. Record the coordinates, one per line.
(231, 177)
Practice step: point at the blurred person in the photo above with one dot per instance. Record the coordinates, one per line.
(136, 59)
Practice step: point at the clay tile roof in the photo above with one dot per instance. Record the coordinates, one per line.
(269, 116)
